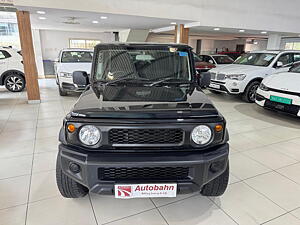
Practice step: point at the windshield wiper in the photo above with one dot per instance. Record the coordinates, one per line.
(178, 81)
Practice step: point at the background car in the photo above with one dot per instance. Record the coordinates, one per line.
(244, 76)
(281, 92)
(70, 60)
(11, 69)
(217, 60)
(202, 66)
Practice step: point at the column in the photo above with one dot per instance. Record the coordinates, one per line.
(274, 41)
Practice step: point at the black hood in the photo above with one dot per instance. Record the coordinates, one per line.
(127, 101)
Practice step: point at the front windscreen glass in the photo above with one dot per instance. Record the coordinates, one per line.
(255, 59)
(144, 65)
(76, 56)
(223, 59)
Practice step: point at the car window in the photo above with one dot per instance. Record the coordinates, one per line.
(296, 57)
(76, 56)
(4, 54)
(255, 59)
(223, 59)
(197, 58)
(286, 58)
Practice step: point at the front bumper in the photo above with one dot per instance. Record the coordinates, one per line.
(72, 87)
(263, 99)
(195, 168)
(227, 86)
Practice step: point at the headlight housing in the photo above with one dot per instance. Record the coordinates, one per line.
(201, 134)
(263, 87)
(89, 135)
(65, 74)
(235, 76)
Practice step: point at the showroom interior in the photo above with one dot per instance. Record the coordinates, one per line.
(41, 105)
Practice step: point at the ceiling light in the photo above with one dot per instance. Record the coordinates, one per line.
(216, 28)
(95, 21)
(41, 12)
(103, 17)
(173, 23)
(241, 31)
(42, 18)
(263, 32)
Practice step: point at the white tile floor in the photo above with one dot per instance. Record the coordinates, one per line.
(264, 183)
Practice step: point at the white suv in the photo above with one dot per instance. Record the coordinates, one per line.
(11, 69)
(246, 73)
(70, 60)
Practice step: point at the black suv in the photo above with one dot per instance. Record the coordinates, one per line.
(143, 127)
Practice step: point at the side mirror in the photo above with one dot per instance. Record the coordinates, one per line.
(279, 64)
(204, 79)
(80, 78)
(56, 60)
(210, 61)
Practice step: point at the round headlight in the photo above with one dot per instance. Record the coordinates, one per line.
(201, 134)
(89, 135)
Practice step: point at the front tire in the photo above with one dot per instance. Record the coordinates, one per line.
(250, 92)
(14, 82)
(66, 186)
(217, 186)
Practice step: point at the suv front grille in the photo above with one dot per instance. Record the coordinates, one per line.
(145, 136)
(144, 173)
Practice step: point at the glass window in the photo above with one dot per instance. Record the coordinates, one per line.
(296, 57)
(286, 58)
(76, 56)
(255, 59)
(142, 64)
(4, 55)
(223, 59)
(83, 43)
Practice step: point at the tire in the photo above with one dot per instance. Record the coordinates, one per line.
(217, 186)
(14, 82)
(66, 186)
(62, 92)
(250, 92)
(215, 92)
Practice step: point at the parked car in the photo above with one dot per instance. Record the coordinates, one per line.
(143, 127)
(281, 92)
(202, 66)
(233, 55)
(217, 60)
(11, 69)
(245, 75)
(70, 60)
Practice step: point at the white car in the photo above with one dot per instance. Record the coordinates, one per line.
(11, 69)
(246, 73)
(281, 92)
(217, 60)
(70, 60)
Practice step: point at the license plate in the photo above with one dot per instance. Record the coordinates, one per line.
(145, 190)
(281, 100)
(216, 86)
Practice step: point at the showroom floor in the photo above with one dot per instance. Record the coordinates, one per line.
(264, 185)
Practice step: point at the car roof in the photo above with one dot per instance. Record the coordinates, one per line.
(141, 44)
(275, 51)
(76, 49)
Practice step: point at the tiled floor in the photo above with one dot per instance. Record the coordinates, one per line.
(264, 160)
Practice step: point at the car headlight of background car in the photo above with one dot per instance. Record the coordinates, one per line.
(201, 135)
(89, 135)
(65, 74)
(235, 76)
(263, 87)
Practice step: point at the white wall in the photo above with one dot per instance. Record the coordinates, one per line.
(230, 44)
(261, 45)
(207, 46)
(53, 41)
(38, 52)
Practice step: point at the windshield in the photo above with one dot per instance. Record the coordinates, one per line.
(76, 56)
(223, 59)
(146, 65)
(255, 59)
(295, 69)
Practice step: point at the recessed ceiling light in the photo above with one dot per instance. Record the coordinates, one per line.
(103, 17)
(173, 23)
(41, 12)
(216, 28)
(263, 32)
(42, 18)
(241, 31)
(95, 21)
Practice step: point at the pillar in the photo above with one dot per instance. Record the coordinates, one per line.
(181, 34)
(32, 86)
(274, 41)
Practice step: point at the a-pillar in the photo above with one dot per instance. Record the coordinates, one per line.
(274, 41)
(181, 34)
(31, 76)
